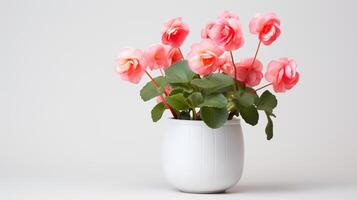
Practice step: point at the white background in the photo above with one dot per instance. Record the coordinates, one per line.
(71, 129)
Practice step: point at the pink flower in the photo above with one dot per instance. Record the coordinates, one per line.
(249, 74)
(225, 64)
(227, 15)
(174, 32)
(204, 57)
(173, 55)
(282, 74)
(156, 56)
(226, 31)
(131, 65)
(267, 26)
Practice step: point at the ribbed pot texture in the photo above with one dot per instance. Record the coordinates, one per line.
(198, 159)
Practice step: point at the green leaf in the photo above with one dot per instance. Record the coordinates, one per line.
(150, 90)
(214, 117)
(176, 91)
(185, 87)
(178, 102)
(180, 72)
(250, 114)
(267, 102)
(213, 82)
(195, 99)
(269, 127)
(251, 90)
(221, 90)
(246, 98)
(215, 100)
(157, 111)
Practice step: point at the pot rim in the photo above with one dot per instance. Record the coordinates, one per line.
(233, 121)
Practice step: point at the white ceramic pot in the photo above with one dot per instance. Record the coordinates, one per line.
(198, 159)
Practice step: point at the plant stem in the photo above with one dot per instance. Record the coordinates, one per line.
(231, 114)
(194, 114)
(154, 82)
(256, 53)
(162, 97)
(162, 72)
(183, 57)
(152, 79)
(235, 71)
(264, 86)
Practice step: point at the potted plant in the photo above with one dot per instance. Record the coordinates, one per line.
(207, 93)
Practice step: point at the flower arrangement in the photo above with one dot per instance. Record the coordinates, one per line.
(208, 84)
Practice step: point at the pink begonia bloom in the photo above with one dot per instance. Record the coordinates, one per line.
(204, 57)
(156, 56)
(249, 74)
(173, 55)
(227, 15)
(226, 64)
(174, 32)
(266, 26)
(282, 74)
(131, 65)
(226, 32)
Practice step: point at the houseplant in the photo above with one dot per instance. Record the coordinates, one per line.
(206, 93)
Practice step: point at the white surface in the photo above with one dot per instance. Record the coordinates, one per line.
(199, 159)
(69, 127)
(246, 191)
